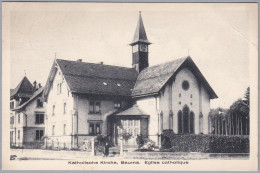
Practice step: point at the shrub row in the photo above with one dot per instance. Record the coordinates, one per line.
(205, 143)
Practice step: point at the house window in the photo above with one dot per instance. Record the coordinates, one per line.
(12, 120)
(64, 129)
(39, 119)
(179, 94)
(53, 110)
(94, 107)
(191, 96)
(18, 135)
(59, 88)
(117, 104)
(53, 130)
(39, 134)
(64, 108)
(39, 103)
(19, 118)
(12, 105)
(94, 128)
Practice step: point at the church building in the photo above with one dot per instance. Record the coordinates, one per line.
(87, 99)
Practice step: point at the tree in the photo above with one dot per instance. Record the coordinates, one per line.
(239, 115)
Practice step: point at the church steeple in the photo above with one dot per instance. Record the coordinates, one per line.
(140, 47)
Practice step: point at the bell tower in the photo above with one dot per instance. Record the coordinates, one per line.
(140, 45)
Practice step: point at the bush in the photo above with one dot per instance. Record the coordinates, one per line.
(140, 140)
(149, 145)
(126, 136)
(206, 143)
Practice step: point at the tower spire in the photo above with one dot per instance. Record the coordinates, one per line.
(140, 45)
(140, 34)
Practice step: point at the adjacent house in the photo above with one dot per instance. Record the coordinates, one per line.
(85, 99)
(27, 114)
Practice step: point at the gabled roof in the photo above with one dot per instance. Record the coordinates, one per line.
(23, 89)
(35, 95)
(140, 34)
(152, 79)
(132, 111)
(93, 78)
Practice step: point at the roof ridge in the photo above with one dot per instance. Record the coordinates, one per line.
(129, 68)
(98, 77)
(168, 62)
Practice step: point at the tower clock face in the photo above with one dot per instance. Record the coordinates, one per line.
(143, 48)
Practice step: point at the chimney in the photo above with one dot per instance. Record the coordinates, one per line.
(101, 62)
(79, 60)
(39, 85)
(34, 86)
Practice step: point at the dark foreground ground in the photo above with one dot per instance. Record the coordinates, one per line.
(36, 154)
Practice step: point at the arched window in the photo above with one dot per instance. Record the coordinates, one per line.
(161, 120)
(201, 122)
(170, 120)
(180, 122)
(191, 122)
(185, 119)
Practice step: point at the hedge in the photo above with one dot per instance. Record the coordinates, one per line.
(205, 143)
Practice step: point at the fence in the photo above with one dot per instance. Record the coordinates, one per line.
(28, 145)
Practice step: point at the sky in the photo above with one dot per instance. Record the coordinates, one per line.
(218, 37)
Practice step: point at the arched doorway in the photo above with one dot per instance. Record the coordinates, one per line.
(185, 121)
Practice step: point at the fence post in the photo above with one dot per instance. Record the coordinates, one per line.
(121, 147)
(93, 153)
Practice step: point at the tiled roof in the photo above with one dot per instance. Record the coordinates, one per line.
(24, 88)
(152, 79)
(11, 91)
(93, 78)
(140, 34)
(134, 110)
(35, 94)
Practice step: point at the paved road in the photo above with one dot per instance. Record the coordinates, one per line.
(36, 154)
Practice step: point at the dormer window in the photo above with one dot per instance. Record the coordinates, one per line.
(117, 104)
(39, 103)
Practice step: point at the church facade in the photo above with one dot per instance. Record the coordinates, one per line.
(86, 99)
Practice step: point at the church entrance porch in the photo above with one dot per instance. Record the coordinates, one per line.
(127, 125)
